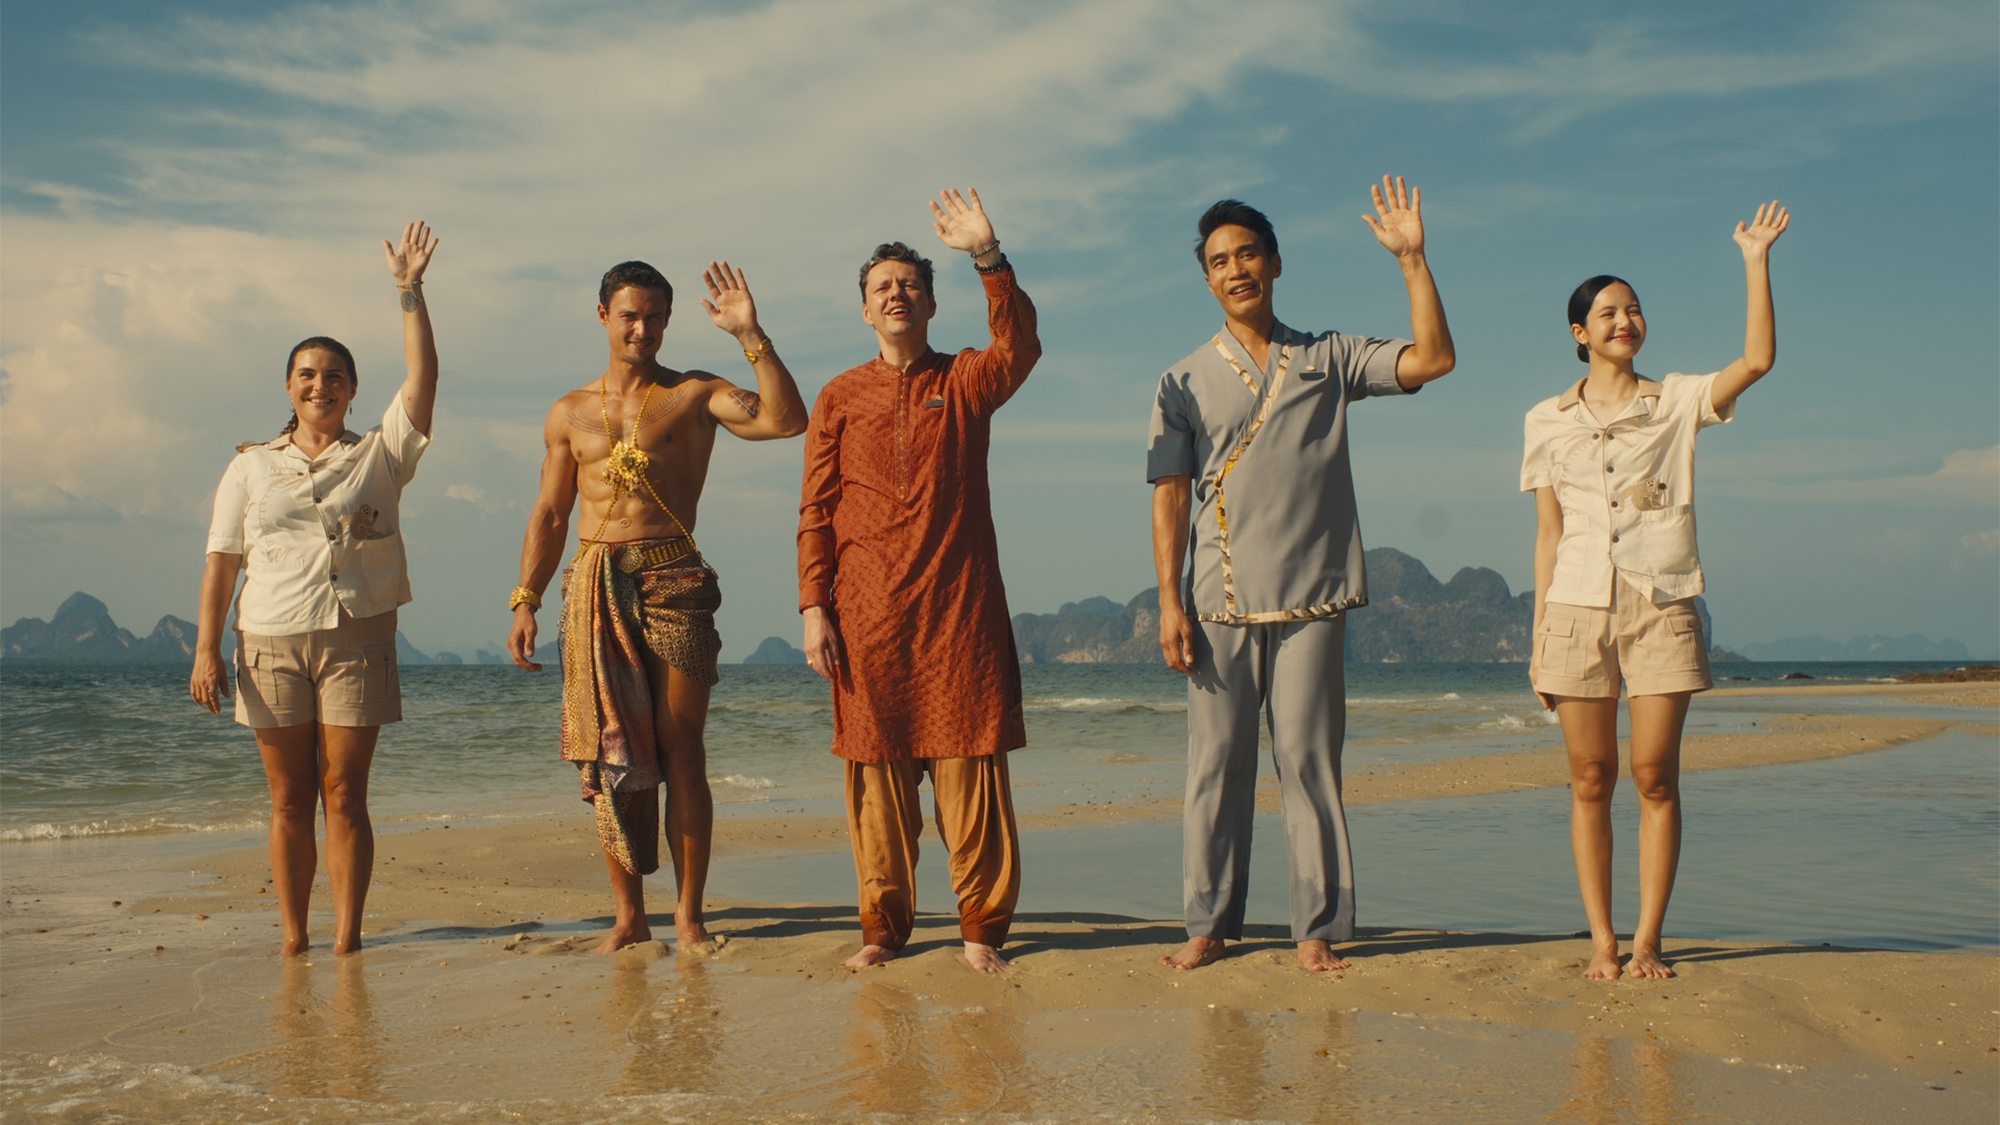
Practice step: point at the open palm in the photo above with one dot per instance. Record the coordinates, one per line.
(962, 225)
(1762, 231)
(1398, 221)
(412, 256)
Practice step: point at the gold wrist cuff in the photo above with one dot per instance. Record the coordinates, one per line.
(763, 349)
(523, 594)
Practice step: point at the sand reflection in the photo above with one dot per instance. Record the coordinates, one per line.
(901, 1060)
(1602, 1092)
(1227, 1061)
(675, 1028)
(326, 1050)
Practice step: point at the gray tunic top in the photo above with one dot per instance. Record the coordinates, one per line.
(1275, 535)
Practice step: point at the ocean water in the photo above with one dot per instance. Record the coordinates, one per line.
(113, 750)
(110, 749)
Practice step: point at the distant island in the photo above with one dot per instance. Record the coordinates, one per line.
(82, 629)
(1411, 618)
(775, 650)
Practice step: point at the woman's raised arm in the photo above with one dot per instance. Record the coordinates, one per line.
(1760, 331)
(407, 263)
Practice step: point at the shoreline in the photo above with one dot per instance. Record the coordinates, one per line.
(143, 969)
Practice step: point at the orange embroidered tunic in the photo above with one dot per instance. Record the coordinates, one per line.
(896, 539)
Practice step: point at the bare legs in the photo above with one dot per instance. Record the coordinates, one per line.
(1590, 730)
(306, 765)
(680, 714)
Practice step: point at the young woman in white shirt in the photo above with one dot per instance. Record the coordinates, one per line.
(311, 522)
(1611, 464)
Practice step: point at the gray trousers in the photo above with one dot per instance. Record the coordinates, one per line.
(1291, 676)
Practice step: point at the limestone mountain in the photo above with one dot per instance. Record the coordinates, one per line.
(83, 630)
(1411, 618)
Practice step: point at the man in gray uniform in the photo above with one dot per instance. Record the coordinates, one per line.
(1249, 438)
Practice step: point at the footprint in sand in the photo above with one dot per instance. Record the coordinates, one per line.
(542, 946)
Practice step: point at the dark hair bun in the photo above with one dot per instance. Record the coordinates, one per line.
(1583, 353)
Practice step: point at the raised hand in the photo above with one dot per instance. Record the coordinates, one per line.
(1398, 221)
(409, 260)
(1756, 238)
(961, 225)
(730, 305)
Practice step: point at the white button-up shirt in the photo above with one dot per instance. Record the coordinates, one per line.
(318, 534)
(1626, 487)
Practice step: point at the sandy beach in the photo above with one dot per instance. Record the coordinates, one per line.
(477, 997)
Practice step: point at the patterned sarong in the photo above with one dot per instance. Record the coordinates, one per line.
(622, 601)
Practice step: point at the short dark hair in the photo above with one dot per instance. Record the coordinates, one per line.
(897, 252)
(636, 275)
(1233, 212)
(1584, 296)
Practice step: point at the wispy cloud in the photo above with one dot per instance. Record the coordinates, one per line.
(1969, 478)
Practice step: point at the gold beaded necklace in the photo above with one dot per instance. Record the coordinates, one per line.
(625, 467)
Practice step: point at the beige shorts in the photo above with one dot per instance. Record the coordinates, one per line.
(1658, 649)
(340, 677)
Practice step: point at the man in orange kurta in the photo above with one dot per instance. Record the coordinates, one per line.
(899, 585)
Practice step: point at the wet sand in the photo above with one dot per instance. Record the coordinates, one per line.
(477, 997)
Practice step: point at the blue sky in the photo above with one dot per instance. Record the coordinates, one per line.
(188, 190)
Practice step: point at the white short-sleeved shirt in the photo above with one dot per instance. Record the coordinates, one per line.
(1293, 551)
(319, 535)
(1626, 488)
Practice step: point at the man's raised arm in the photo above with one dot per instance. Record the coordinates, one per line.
(548, 531)
(775, 410)
(1398, 224)
(1003, 366)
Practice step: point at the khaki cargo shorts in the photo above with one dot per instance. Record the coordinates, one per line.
(1582, 651)
(341, 677)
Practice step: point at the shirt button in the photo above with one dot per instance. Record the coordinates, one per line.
(330, 537)
(1614, 503)
(1610, 468)
(336, 577)
(1614, 539)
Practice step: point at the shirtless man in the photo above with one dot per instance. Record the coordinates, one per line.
(638, 621)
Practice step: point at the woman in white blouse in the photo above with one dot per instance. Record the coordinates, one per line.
(311, 522)
(1611, 464)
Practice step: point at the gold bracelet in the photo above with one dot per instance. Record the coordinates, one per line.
(763, 349)
(523, 594)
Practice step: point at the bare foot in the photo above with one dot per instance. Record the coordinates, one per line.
(690, 934)
(1603, 962)
(622, 936)
(1646, 963)
(341, 949)
(1316, 956)
(294, 947)
(1197, 952)
(984, 958)
(869, 955)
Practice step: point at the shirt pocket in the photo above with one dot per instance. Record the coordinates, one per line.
(1670, 539)
(381, 565)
